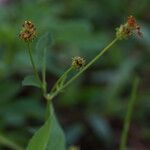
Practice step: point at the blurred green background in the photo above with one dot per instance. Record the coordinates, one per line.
(92, 109)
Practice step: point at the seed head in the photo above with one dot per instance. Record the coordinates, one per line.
(28, 32)
(128, 29)
(78, 62)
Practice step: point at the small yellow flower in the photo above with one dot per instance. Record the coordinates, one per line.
(78, 62)
(129, 28)
(28, 32)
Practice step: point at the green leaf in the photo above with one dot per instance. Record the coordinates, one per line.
(46, 57)
(42, 46)
(31, 81)
(49, 137)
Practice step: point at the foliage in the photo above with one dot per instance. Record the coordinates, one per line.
(78, 28)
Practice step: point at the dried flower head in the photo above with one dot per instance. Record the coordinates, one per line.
(78, 62)
(28, 32)
(128, 29)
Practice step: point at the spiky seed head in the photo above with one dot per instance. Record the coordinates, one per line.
(28, 32)
(129, 28)
(78, 62)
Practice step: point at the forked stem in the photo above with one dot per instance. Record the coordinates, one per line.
(59, 80)
(84, 68)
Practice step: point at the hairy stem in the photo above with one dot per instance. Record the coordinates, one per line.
(129, 114)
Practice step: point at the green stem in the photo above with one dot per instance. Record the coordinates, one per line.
(44, 74)
(44, 71)
(91, 62)
(33, 65)
(9, 143)
(47, 109)
(64, 74)
(86, 67)
(129, 114)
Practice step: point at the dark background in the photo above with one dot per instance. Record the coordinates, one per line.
(92, 109)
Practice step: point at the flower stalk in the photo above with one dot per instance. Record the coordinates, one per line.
(61, 80)
(28, 33)
(52, 95)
